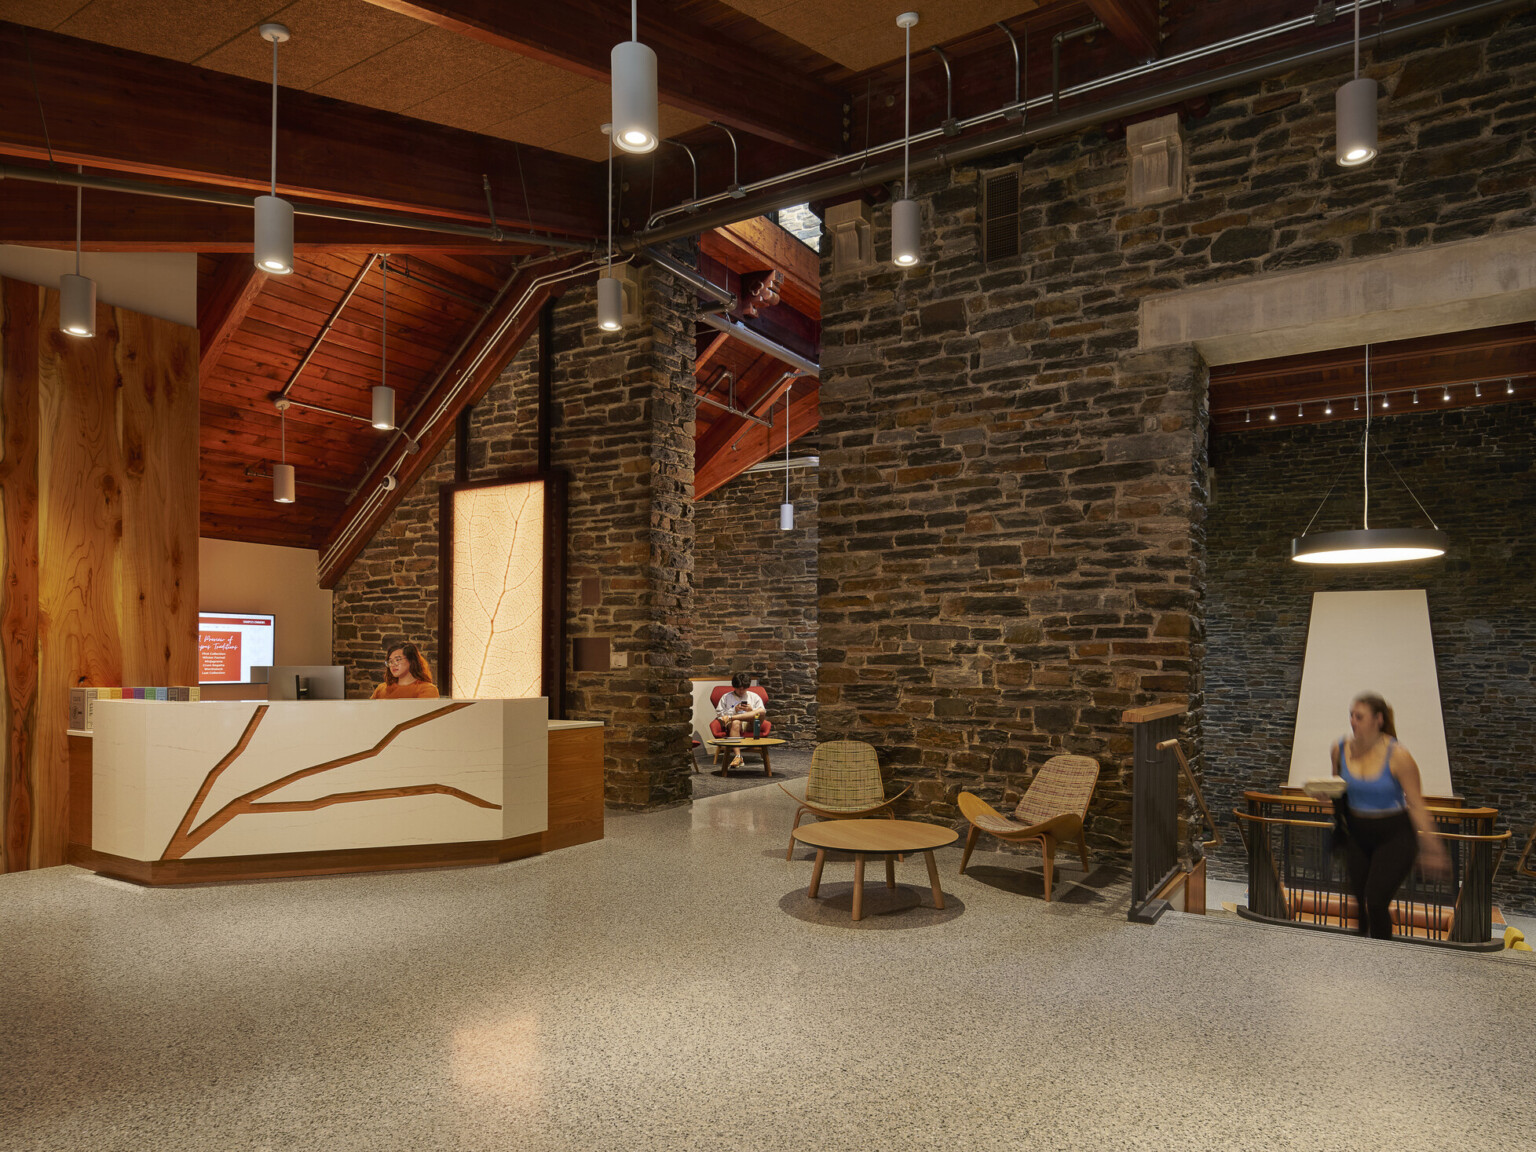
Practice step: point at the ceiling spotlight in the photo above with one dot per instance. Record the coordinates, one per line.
(1355, 114)
(1446, 395)
(1248, 416)
(1385, 403)
(77, 293)
(1509, 387)
(787, 509)
(610, 293)
(282, 474)
(383, 394)
(274, 215)
(633, 65)
(1357, 404)
(1415, 395)
(906, 220)
(1298, 411)
(1328, 408)
(1477, 390)
(1272, 415)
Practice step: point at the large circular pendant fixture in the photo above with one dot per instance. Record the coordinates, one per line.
(1369, 546)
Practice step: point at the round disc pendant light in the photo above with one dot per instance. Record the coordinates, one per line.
(1355, 113)
(1367, 545)
(906, 218)
(633, 69)
(274, 215)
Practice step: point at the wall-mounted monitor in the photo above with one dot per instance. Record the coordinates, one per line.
(230, 644)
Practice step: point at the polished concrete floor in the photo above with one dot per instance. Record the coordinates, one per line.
(671, 988)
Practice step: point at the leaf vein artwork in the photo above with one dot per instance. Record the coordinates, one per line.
(498, 591)
(189, 834)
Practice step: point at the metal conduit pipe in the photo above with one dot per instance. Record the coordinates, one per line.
(330, 322)
(1056, 41)
(776, 465)
(683, 272)
(1002, 140)
(321, 211)
(780, 353)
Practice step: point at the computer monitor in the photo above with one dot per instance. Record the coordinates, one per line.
(230, 644)
(303, 681)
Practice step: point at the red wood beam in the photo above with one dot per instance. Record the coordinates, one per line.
(126, 112)
(757, 245)
(757, 444)
(698, 70)
(1132, 22)
(466, 379)
(222, 305)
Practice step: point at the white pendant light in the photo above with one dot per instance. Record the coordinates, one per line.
(383, 394)
(77, 293)
(786, 509)
(906, 219)
(274, 215)
(610, 293)
(635, 121)
(1367, 545)
(1355, 113)
(282, 474)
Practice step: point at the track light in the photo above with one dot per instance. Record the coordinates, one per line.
(77, 293)
(906, 219)
(610, 293)
(383, 394)
(282, 474)
(1355, 113)
(274, 215)
(633, 70)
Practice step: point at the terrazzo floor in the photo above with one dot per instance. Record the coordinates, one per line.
(668, 988)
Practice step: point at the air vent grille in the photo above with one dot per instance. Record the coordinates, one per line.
(1000, 214)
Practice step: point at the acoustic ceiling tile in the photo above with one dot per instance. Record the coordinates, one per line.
(414, 70)
(329, 37)
(174, 29)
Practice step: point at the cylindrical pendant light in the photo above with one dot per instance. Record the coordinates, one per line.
(786, 509)
(77, 293)
(1355, 113)
(383, 394)
(282, 474)
(906, 219)
(635, 120)
(274, 215)
(610, 293)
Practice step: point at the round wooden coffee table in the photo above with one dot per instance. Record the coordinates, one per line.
(762, 744)
(888, 838)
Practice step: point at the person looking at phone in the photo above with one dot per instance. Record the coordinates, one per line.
(740, 712)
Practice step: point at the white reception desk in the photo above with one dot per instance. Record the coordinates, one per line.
(167, 793)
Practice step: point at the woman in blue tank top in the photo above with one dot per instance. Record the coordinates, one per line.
(1389, 826)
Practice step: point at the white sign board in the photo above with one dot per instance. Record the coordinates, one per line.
(1370, 642)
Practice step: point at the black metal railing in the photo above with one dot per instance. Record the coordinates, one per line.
(1296, 877)
(1154, 809)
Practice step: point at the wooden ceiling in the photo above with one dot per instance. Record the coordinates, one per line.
(410, 108)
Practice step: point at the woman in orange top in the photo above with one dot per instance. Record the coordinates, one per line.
(406, 676)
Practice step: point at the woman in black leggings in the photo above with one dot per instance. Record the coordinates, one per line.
(1389, 826)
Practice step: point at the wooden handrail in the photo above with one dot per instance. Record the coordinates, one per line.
(1302, 799)
(1194, 787)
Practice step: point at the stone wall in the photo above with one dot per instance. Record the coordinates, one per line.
(754, 596)
(1012, 497)
(1474, 469)
(622, 431)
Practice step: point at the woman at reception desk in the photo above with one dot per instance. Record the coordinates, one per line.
(406, 675)
(177, 793)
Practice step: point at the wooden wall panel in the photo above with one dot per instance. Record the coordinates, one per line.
(113, 430)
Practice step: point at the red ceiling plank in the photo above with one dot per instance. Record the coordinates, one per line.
(757, 444)
(131, 113)
(698, 69)
(505, 330)
(221, 307)
(1132, 22)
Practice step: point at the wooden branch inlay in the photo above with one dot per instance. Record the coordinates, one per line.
(187, 837)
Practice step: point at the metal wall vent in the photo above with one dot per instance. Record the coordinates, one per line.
(1000, 238)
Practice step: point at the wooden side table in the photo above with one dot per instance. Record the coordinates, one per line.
(888, 838)
(762, 744)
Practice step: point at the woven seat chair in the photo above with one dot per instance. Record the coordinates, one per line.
(844, 784)
(1052, 810)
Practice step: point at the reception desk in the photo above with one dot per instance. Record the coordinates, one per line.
(175, 793)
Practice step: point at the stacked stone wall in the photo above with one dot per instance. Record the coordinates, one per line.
(1474, 469)
(1013, 496)
(755, 592)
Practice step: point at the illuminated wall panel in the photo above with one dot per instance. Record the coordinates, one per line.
(497, 608)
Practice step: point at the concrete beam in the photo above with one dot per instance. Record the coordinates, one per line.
(1420, 292)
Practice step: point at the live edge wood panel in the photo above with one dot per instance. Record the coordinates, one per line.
(98, 577)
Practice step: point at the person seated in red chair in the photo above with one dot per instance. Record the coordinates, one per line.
(740, 713)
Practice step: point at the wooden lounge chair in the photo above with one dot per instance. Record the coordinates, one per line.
(1052, 810)
(844, 784)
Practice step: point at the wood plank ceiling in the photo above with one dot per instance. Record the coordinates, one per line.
(410, 107)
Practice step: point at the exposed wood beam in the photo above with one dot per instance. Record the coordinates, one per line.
(698, 69)
(758, 245)
(126, 112)
(502, 333)
(222, 307)
(756, 444)
(1132, 22)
